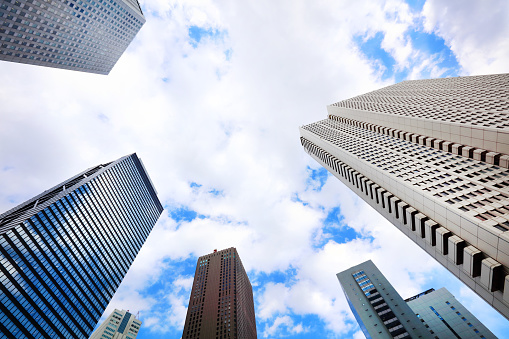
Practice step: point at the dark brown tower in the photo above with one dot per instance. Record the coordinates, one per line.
(221, 303)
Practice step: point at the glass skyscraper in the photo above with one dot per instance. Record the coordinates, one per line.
(80, 35)
(119, 325)
(64, 252)
(432, 156)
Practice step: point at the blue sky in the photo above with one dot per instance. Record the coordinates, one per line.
(210, 94)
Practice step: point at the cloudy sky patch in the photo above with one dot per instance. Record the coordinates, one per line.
(210, 95)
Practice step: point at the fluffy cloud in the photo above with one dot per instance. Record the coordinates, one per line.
(216, 124)
(475, 31)
(280, 325)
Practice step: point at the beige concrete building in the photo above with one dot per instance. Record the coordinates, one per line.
(119, 325)
(432, 157)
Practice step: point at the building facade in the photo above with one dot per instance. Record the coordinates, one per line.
(377, 307)
(64, 253)
(119, 325)
(80, 35)
(446, 317)
(432, 157)
(382, 313)
(221, 302)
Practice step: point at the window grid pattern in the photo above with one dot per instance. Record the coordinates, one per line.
(15, 215)
(446, 317)
(494, 158)
(119, 325)
(389, 319)
(468, 185)
(88, 35)
(414, 223)
(477, 100)
(61, 267)
(221, 302)
(465, 319)
(246, 323)
(226, 315)
(192, 328)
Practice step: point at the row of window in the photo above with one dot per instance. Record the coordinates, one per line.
(109, 50)
(387, 316)
(428, 100)
(401, 159)
(62, 279)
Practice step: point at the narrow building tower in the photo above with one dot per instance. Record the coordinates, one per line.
(221, 303)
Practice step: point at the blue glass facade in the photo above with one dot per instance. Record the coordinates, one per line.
(64, 253)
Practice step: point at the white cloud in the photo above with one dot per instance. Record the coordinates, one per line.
(282, 327)
(272, 300)
(229, 125)
(475, 31)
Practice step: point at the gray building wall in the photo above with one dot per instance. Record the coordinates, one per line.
(377, 306)
(80, 35)
(446, 317)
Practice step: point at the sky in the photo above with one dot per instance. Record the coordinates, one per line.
(211, 94)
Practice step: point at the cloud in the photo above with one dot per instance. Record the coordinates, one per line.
(476, 32)
(216, 124)
(281, 326)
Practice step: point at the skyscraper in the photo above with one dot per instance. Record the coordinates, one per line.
(80, 35)
(446, 317)
(119, 325)
(64, 253)
(431, 156)
(377, 307)
(382, 313)
(221, 302)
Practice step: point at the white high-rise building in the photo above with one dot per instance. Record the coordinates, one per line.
(119, 325)
(432, 157)
(445, 317)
